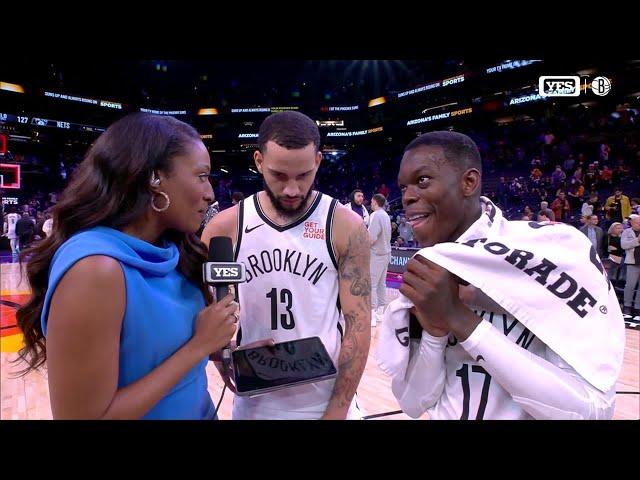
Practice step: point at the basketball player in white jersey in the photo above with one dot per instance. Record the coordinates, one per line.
(472, 363)
(307, 263)
(12, 220)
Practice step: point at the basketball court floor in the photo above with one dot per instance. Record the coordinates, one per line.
(28, 397)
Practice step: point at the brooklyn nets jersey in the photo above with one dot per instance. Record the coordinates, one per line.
(291, 292)
(469, 391)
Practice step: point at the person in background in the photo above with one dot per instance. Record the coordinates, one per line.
(380, 236)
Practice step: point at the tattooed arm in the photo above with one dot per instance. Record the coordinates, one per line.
(351, 242)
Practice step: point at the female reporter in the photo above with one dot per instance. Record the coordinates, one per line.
(119, 310)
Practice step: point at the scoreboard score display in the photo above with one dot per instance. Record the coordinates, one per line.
(47, 122)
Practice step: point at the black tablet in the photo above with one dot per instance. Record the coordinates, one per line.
(266, 369)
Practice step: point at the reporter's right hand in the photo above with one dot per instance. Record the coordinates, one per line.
(215, 325)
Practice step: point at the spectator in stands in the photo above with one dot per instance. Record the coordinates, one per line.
(528, 212)
(542, 215)
(38, 233)
(621, 171)
(591, 177)
(356, 202)
(614, 250)
(406, 232)
(223, 192)
(558, 178)
(516, 189)
(630, 242)
(569, 163)
(575, 195)
(606, 175)
(25, 228)
(34, 207)
(595, 234)
(584, 220)
(400, 242)
(617, 206)
(546, 211)
(237, 197)
(503, 193)
(536, 162)
(384, 191)
(544, 195)
(592, 205)
(561, 207)
(605, 149)
(581, 161)
(380, 237)
(577, 174)
(394, 233)
(635, 206)
(536, 175)
(549, 138)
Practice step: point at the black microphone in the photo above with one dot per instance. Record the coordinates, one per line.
(220, 272)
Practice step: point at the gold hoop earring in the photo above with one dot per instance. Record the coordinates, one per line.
(153, 205)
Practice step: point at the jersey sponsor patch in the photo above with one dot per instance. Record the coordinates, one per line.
(313, 230)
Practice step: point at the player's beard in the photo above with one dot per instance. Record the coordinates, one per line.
(284, 211)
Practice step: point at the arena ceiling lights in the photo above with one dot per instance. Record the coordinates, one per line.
(208, 111)
(11, 87)
(377, 101)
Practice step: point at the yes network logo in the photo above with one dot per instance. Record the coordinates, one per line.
(559, 86)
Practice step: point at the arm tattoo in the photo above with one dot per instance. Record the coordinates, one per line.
(353, 270)
(352, 265)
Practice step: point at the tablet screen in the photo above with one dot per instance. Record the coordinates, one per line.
(284, 364)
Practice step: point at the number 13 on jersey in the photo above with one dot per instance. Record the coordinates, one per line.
(287, 320)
